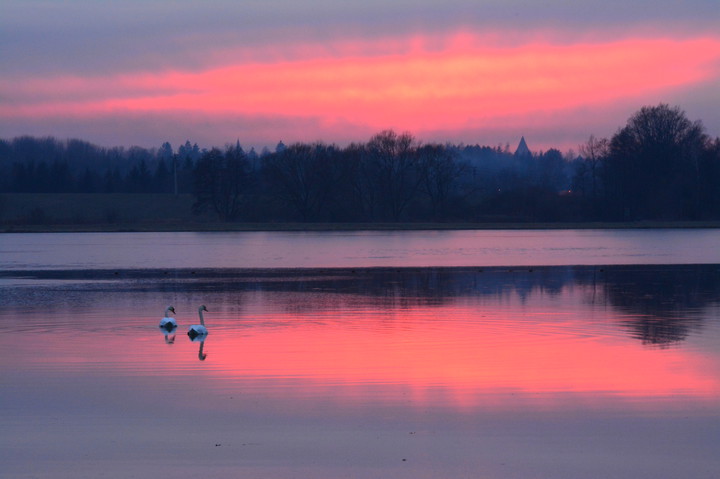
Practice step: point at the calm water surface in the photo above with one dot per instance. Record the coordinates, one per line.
(358, 249)
(473, 370)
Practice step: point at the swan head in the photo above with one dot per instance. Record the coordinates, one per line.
(202, 308)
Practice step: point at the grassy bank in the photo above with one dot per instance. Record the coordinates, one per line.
(61, 211)
(161, 212)
(212, 226)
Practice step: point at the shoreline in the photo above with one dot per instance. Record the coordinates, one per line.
(181, 227)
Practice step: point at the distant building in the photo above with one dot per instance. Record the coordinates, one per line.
(522, 149)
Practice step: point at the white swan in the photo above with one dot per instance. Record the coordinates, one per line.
(198, 330)
(168, 322)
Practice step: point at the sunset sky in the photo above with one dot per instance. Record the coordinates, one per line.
(131, 72)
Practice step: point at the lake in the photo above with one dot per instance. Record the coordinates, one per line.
(263, 250)
(491, 354)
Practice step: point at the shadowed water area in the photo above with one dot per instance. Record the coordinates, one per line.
(578, 370)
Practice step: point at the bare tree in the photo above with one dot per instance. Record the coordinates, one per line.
(304, 177)
(394, 164)
(220, 181)
(440, 173)
(593, 153)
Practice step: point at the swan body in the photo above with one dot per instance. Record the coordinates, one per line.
(199, 331)
(168, 322)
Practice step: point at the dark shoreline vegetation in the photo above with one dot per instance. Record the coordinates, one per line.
(659, 170)
(339, 227)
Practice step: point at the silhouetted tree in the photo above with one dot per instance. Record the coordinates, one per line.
(549, 171)
(79, 154)
(162, 178)
(304, 178)
(89, 182)
(168, 161)
(187, 157)
(440, 174)
(709, 188)
(359, 193)
(112, 180)
(392, 163)
(220, 181)
(653, 167)
(587, 179)
(61, 179)
(139, 180)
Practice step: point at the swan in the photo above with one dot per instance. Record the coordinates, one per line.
(168, 322)
(198, 330)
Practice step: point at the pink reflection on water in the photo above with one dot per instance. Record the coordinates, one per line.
(470, 361)
(458, 355)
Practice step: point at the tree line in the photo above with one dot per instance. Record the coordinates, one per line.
(391, 178)
(48, 165)
(659, 166)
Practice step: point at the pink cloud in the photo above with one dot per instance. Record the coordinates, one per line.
(420, 84)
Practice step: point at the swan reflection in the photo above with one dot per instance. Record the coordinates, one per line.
(201, 354)
(170, 336)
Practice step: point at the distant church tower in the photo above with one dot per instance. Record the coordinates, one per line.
(522, 149)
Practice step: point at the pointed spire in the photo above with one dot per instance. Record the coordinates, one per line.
(522, 149)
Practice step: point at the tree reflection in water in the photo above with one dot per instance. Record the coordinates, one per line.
(659, 304)
(663, 303)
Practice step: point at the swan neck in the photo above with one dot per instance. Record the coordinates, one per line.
(202, 319)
